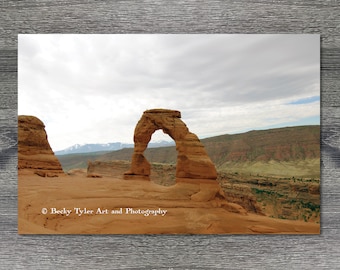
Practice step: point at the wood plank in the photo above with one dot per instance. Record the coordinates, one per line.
(171, 252)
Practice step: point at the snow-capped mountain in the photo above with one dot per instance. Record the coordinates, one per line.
(96, 147)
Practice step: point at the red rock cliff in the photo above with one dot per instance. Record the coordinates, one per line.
(34, 151)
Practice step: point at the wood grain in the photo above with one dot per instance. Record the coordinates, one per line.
(171, 252)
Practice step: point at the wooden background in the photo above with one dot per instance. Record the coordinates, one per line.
(171, 251)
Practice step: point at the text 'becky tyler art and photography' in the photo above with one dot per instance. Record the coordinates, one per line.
(103, 211)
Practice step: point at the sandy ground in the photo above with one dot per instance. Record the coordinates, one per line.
(75, 204)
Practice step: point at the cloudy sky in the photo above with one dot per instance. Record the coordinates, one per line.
(94, 88)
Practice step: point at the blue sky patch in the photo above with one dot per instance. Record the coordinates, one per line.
(305, 100)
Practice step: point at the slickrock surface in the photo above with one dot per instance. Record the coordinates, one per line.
(34, 150)
(136, 207)
(192, 160)
(91, 203)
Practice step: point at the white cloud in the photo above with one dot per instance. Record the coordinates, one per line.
(94, 88)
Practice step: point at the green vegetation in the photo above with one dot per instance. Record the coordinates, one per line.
(278, 197)
(266, 192)
(311, 206)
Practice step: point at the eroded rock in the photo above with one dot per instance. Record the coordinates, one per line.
(193, 161)
(34, 151)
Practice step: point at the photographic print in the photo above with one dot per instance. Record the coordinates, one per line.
(169, 134)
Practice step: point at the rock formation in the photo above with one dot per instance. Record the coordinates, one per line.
(161, 174)
(111, 168)
(192, 160)
(34, 151)
(242, 195)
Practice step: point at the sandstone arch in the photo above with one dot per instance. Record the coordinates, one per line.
(192, 160)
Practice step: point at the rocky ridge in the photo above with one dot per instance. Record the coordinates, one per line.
(34, 151)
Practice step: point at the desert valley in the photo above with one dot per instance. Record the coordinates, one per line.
(259, 182)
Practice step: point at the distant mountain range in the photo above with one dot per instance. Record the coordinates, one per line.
(107, 147)
(293, 151)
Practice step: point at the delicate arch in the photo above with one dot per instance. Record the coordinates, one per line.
(192, 159)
